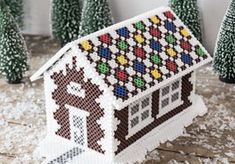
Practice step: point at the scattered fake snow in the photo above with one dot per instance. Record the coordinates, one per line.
(22, 120)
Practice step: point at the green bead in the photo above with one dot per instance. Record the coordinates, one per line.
(103, 68)
(139, 25)
(200, 52)
(122, 45)
(139, 82)
(155, 59)
(170, 39)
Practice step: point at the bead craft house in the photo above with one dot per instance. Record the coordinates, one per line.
(116, 94)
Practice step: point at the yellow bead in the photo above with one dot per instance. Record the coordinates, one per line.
(86, 45)
(185, 32)
(139, 38)
(171, 52)
(155, 74)
(155, 20)
(122, 60)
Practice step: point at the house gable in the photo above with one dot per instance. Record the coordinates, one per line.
(75, 90)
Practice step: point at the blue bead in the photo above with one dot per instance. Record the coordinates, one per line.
(155, 45)
(105, 53)
(187, 59)
(123, 32)
(139, 67)
(170, 26)
(120, 91)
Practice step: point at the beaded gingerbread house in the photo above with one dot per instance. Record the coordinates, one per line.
(115, 94)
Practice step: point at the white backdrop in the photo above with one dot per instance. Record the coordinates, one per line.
(37, 15)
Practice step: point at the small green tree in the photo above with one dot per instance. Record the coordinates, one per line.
(66, 16)
(188, 12)
(96, 15)
(17, 10)
(13, 51)
(224, 54)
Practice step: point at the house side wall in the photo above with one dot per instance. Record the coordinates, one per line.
(122, 116)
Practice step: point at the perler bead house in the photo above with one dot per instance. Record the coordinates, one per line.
(116, 94)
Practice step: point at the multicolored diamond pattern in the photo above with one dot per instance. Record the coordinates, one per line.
(140, 55)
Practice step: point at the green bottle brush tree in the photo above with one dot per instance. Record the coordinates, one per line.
(66, 16)
(96, 15)
(13, 51)
(224, 56)
(17, 10)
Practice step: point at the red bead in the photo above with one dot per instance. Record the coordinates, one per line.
(171, 66)
(105, 39)
(185, 45)
(155, 32)
(139, 52)
(121, 75)
(168, 14)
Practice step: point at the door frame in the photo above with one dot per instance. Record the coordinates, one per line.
(73, 111)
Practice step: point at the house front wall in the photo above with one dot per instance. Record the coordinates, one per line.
(72, 102)
(122, 133)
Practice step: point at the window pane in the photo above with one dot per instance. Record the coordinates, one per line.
(175, 96)
(75, 89)
(145, 115)
(134, 109)
(134, 121)
(79, 137)
(175, 85)
(165, 102)
(78, 122)
(145, 102)
(165, 91)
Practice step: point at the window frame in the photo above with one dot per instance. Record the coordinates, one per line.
(142, 123)
(171, 104)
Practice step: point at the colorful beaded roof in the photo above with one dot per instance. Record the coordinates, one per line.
(137, 56)
(140, 55)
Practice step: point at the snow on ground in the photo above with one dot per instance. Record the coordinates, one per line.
(22, 119)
